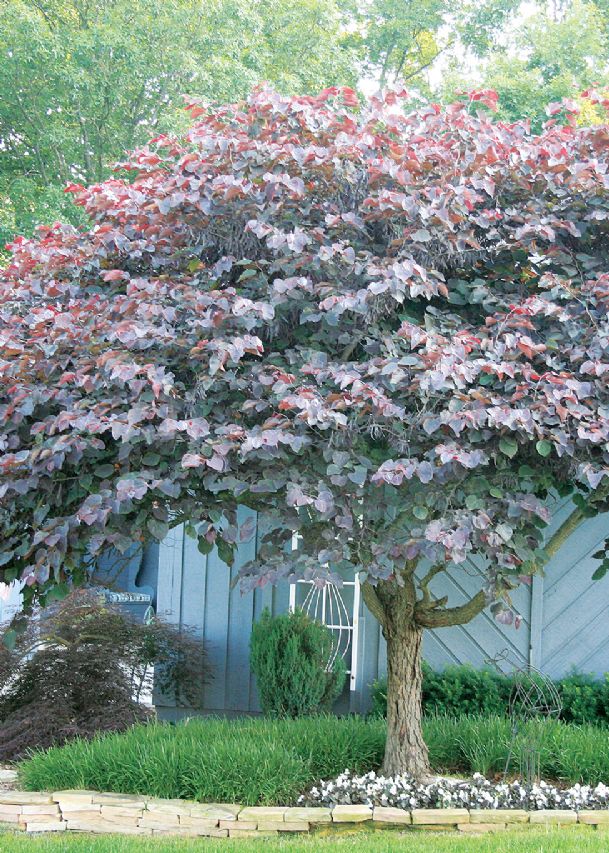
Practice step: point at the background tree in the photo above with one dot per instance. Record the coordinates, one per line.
(405, 42)
(399, 40)
(87, 81)
(387, 330)
(538, 58)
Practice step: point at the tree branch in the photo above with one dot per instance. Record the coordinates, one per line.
(432, 614)
(427, 64)
(441, 618)
(351, 347)
(560, 536)
(427, 602)
(373, 602)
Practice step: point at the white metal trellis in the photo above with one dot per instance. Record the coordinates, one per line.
(326, 605)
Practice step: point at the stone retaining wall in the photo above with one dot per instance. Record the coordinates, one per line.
(90, 811)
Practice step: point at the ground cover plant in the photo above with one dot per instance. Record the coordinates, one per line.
(477, 793)
(572, 840)
(80, 667)
(458, 690)
(384, 329)
(270, 762)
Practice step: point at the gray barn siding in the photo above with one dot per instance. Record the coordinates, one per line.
(196, 591)
(565, 618)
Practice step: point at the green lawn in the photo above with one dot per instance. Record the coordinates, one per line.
(572, 840)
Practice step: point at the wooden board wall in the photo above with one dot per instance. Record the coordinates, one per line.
(565, 618)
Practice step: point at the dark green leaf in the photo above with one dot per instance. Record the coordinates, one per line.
(509, 447)
(159, 529)
(104, 471)
(204, 545)
(9, 639)
(225, 552)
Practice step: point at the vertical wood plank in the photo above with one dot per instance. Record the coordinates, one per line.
(216, 618)
(536, 622)
(240, 618)
(193, 590)
(169, 594)
(171, 566)
(371, 640)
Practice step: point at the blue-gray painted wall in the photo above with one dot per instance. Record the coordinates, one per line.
(565, 618)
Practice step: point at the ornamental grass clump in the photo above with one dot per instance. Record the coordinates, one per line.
(486, 744)
(251, 761)
(272, 761)
(297, 668)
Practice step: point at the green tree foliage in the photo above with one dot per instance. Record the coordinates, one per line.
(401, 41)
(297, 672)
(90, 80)
(539, 59)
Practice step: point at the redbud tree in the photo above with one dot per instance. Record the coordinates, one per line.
(384, 330)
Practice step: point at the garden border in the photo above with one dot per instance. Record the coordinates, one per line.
(92, 811)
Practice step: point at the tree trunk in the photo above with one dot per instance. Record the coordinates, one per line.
(405, 750)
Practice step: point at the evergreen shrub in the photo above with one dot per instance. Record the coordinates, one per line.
(289, 656)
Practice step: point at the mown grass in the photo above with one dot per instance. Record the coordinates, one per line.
(265, 762)
(572, 840)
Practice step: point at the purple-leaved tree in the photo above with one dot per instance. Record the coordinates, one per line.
(385, 330)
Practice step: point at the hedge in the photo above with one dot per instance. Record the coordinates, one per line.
(460, 690)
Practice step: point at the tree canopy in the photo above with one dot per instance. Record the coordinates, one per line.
(389, 329)
(386, 330)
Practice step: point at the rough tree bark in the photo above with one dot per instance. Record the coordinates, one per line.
(404, 607)
(403, 616)
(405, 750)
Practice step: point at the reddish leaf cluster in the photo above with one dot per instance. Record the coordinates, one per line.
(387, 330)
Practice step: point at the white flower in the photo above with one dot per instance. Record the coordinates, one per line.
(481, 793)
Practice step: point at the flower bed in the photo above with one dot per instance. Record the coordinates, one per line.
(268, 762)
(478, 793)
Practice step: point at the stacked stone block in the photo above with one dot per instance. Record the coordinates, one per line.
(132, 814)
